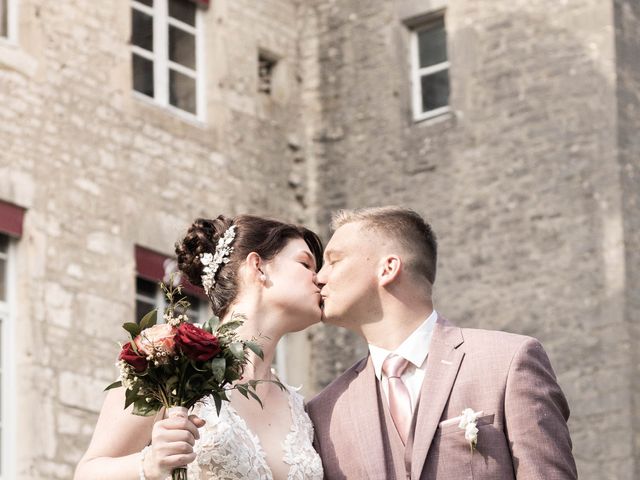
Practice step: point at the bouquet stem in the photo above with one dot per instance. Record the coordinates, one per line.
(177, 411)
(179, 474)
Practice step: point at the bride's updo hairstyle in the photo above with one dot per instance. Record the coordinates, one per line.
(263, 236)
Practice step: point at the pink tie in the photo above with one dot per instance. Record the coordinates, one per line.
(399, 398)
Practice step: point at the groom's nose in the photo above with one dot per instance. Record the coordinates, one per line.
(321, 276)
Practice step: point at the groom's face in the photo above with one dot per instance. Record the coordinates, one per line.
(348, 277)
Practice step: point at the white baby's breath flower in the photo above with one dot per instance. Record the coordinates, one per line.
(468, 416)
(471, 434)
(468, 424)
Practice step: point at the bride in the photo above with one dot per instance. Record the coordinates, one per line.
(270, 278)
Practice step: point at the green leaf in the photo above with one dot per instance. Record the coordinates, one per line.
(243, 390)
(237, 350)
(218, 401)
(195, 366)
(172, 382)
(229, 326)
(149, 320)
(113, 385)
(232, 375)
(218, 366)
(256, 397)
(129, 397)
(212, 324)
(195, 382)
(255, 348)
(132, 328)
(144, 409)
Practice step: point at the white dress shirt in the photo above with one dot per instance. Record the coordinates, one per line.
(415, 349)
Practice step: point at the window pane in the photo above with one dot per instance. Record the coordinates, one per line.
(182, 91)
(182, 47)
(4, 27)
(435, 90)
(148, 3)
(183, 11)
(142, 308)
(142, 75)
(141, 30)
(194, 308)
(146, 288)
(432, 45)
(4, 243)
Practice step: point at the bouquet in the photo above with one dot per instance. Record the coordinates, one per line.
(177, 364)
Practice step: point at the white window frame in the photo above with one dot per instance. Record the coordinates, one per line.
(12, 23)
(417, 73)
(160, 58)
(7, 358)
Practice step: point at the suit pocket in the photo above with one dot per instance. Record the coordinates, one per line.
(446, 427)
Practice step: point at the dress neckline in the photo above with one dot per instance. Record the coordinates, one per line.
(256, 440)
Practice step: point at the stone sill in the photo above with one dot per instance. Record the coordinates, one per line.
(12, 57)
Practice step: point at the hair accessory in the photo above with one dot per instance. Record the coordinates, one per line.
(212, 263)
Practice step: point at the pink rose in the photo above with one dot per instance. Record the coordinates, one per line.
(157, 339)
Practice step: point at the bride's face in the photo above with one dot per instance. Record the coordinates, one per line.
(291, 286)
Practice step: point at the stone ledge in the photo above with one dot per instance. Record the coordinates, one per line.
(12, 57)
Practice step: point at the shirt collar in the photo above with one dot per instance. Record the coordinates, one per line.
(414, 348)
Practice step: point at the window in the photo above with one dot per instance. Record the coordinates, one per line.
(149, 295)
(166, 40)
(8, 19)
(430, 66)
(7, 407)
(266, 67)
(153, 267)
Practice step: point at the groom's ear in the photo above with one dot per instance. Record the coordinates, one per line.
(390, 267)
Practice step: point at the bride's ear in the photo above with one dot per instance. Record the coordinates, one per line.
(255, 266)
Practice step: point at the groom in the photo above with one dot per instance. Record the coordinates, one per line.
(396, 413)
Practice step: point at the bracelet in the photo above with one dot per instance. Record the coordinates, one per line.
(142, 455)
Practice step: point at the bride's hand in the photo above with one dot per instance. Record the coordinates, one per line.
(172, 441)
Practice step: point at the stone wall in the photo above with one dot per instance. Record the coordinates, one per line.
(531, 183)
(101, 170)
(627, 26)
(522, 182)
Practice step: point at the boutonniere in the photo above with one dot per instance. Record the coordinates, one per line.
(468, 424)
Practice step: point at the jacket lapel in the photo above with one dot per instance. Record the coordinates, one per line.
(443, 363)
(363, 406)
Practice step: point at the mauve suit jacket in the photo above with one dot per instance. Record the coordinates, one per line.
(523, 430)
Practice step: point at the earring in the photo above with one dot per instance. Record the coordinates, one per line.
(263, 278)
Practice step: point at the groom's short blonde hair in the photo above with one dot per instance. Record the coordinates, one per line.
(402, 225)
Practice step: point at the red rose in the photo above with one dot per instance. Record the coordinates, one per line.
(196, 343)
(138, 362)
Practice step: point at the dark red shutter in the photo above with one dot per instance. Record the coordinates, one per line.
(201, 3)
(11, 217)
(157, 267)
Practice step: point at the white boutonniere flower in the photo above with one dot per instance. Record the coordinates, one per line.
(468, 424)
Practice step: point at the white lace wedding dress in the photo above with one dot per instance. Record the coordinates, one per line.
(228, 450)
